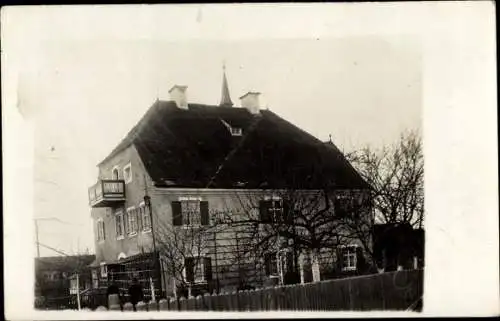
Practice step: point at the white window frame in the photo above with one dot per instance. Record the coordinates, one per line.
(117, 168)
(104, 270)
(129, 179)
(132, 210)
(201, 261)
(144, 213)
(191, 199)
(272, 210)
(349, 255)
(100, 231)
(121, 236)
(236, 131)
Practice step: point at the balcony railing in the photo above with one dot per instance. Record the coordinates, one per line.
(107, 193)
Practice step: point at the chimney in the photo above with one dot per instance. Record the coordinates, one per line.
(250, 101)
(178, 94)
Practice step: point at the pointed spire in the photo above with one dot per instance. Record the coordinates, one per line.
(225, 97)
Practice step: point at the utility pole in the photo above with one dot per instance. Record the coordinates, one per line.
(37, 241)
(147, 202)
(36, 229)
(78, 291)
(216, 262)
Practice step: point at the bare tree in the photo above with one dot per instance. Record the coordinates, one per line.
(183, 250)
(300, 221)
(396, 176)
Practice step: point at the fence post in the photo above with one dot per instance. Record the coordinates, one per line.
(182, 303)
(154, 306)
(173, 304)
(128, 307)
(242, 300)
(226, 301)
(219, 301)
(141, 306)
(252, 296)
(207, 302)
(163, 305)
(114, 302)
(231, 299)
(191, 304)
(199, 303)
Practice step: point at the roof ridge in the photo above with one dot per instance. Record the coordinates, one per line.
(132, 133)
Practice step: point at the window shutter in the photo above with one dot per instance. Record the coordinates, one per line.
(289, 261)
(126, 223)
(139, 218)
(287, 213)
(264, 211)
(103, 231)
(208, 268)
(176, 213)
(340, 210)
(204, 213)
(267, 263)
(189, 266)
(359, 258)
(340, 258)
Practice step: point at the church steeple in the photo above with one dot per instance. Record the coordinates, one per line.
(225, 100)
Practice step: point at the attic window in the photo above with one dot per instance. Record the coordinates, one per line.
(235, 131)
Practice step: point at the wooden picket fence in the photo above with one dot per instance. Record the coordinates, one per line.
(386, 291)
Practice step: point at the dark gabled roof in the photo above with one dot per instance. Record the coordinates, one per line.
(194, 148)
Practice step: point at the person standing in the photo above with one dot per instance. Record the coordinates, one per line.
(135, 293)
(113, 294)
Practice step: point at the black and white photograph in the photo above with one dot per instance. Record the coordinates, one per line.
(243, 158)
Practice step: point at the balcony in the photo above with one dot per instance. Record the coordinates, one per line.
(107, 193)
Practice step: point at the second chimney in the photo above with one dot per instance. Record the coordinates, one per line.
(178, 94)
(250, 101)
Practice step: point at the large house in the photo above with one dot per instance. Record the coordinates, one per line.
(201, 184)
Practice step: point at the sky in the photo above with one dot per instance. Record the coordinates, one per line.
(84, 93)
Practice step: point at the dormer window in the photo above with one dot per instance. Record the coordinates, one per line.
(235, 131)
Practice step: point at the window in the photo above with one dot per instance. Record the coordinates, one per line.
(95, 280)
(104, 270)
(235, 131)
(349, 258)
(127, 173)
(114, 173)
(197, 270)
(347, 205)
(271, 264)
(274, 210)
(132, 221)
(190, 212)
(73, 289)
(119, 225)
(101, 236)
(145, 218)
